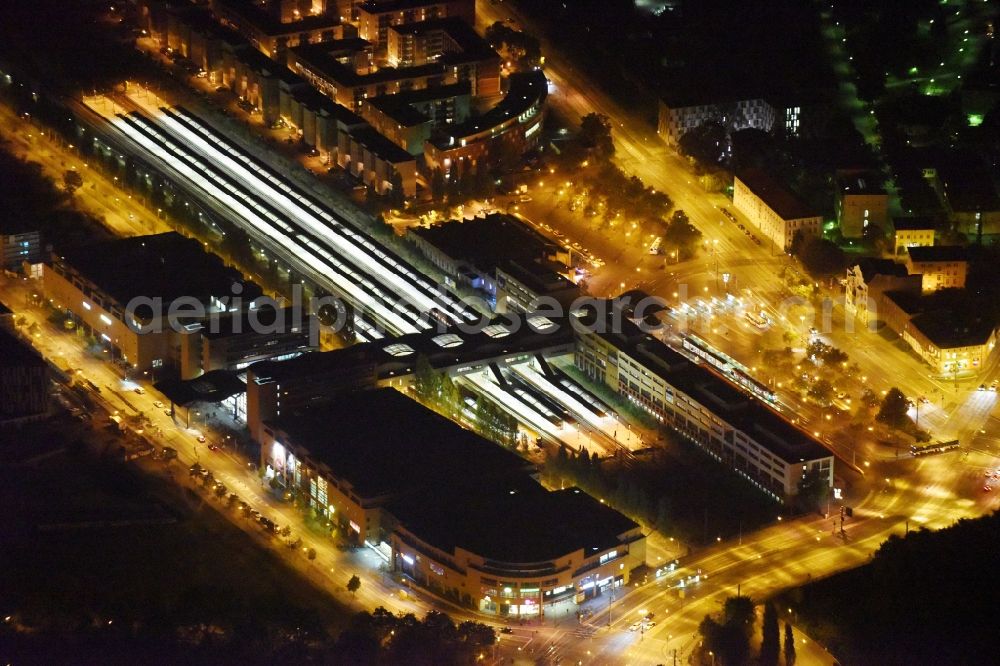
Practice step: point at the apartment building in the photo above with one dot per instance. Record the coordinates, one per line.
(773, 209)
(941, 266)
(912, 232)
(861, 201)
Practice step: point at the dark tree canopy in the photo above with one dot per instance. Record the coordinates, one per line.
(892, 411)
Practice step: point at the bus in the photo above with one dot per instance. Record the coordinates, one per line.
(933, 447)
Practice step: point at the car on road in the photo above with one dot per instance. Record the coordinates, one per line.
(506, 630)
(993, 385)
(987, 488)
(140, 390)
(923, 400)
(213, 447)
(525, 198)
(157, 404)
(202, 439)
(982, 387)
(166, 412)
(635, 626)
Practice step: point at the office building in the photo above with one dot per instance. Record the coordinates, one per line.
(773, 209)
(730, 424)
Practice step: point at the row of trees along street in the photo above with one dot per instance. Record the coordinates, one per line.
(726, 641)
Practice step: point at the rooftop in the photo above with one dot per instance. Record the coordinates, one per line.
(948, 330)
(488, 241)
(380, 145)
(870, 267)
(213, 386)
(909, 302)
(442, 349)
(291, 319)
(271, 25)
(385, 444)
(935, 253)
(167, 266)
(482, 519)
(384, 6)
(539, 275)
(525, 90)
(861, 183)
(465, 37)
(320, 57)
(775, 195)
(400, 107)
(916, 223)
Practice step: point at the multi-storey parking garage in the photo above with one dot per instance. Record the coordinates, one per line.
(388, 294)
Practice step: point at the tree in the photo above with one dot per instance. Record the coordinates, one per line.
(706, 143)
(893, 410)
(396, 197)
(681, 234)
(426, 380)
(354, 584)
(770, 645)
(730, 640)
(789, 645)
(819, 257)
(595, 133)
(821, 391)
(869, 398)
(72, 181)
(438, 187)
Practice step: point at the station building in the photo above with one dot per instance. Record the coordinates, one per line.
(276, 388)
(448, 508)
